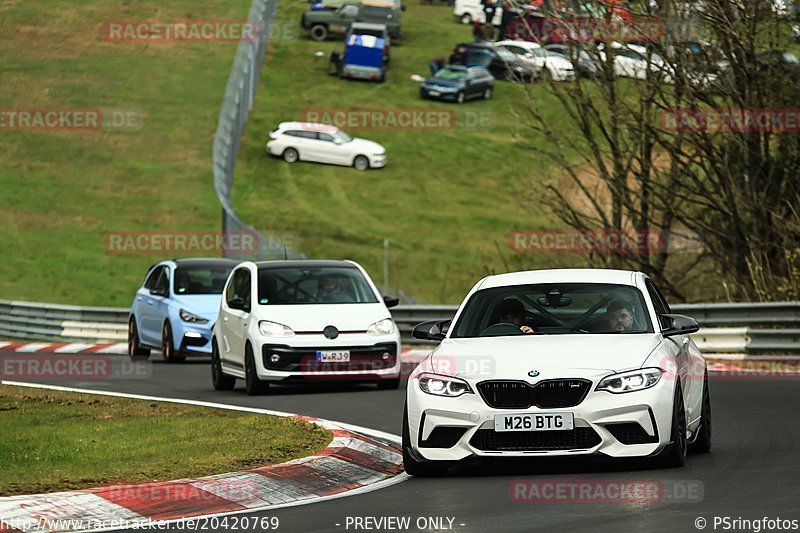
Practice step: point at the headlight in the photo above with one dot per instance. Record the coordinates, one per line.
(630, 381)
(186, 316)
(273, 329)
(381, 327)
(443, 385)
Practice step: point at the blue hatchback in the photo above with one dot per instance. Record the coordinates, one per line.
(176, 307)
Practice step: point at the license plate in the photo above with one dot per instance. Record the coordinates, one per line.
(534, 422)
(341, 356)
(434, 93)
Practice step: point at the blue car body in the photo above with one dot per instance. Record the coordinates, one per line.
(180, 298)
(364, 58)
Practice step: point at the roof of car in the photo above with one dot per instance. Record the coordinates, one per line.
(304, 263)
(308, 126)
(205, 261)
(564, 275)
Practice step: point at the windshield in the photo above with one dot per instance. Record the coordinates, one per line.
(565, 308)
(344, 137)
(449, 74)
(505, 54)
(316, 285)
(201, 279)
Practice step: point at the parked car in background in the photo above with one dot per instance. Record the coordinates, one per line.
(468, 11)
(458, 83)
(176, 307)
(285, 321)
(635, 61)
(323, 23)
(501, 63)
(323, 143)
(546, 64)
(581, 60)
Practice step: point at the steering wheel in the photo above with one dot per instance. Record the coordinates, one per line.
(501, 329)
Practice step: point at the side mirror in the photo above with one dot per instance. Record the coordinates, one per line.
(158, 291)
(402, 7)
(679, 325)
(337, 140)
(433, 330)
(236, 303)
(391, 301)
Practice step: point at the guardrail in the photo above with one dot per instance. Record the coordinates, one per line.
(717, 321)
(55, 322)
(725, 328)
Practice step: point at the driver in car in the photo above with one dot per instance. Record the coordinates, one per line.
(330, 290)
(620, 316)
(512, 312)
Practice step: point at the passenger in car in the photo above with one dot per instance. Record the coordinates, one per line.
(512, 311)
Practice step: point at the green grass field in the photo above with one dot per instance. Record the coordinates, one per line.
(63, 191)
(105, 440)
(448, 197)
(446, 201)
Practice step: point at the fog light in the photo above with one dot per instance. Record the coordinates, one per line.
(275, 359)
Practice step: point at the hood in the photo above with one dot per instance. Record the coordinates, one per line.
(314, 317)
(371, 147)
(204, 305)
(431, 82)
(551, 355)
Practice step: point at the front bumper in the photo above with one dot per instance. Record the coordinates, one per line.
(377, 161)
(451, 96)
(451, 429)
(372, 358)
(193, 339)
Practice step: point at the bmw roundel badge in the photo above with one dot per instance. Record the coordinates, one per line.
(533, 373)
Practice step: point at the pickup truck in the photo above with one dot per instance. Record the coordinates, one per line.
(323, 23)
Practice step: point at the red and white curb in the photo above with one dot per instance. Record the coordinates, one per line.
(358, 460)
(119, 348)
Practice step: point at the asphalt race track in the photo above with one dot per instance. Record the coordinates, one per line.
(752, 473)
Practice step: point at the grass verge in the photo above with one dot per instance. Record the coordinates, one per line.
(61, 440)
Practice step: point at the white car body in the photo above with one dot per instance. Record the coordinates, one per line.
(322, 143)
(307, 330)
(558, 67)
(468, 11)
(630, 61)
(555, 360)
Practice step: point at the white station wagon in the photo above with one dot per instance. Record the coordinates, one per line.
(323, 143)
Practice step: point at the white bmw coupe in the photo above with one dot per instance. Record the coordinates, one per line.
(558, 363)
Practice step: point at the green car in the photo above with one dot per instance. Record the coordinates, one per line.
(323, 23)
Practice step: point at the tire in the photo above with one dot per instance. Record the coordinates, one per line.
(168, 347)
(460, 98)
(389, 384)
(361, 162)
(702, 442)
(466, 18)
(319, 32)
(135, 350)
(252, 384)
(290, 155)
(219, 379)
(422, 468)
(487, 93)
(674, 455)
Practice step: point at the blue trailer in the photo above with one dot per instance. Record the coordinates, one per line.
(364, 58)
